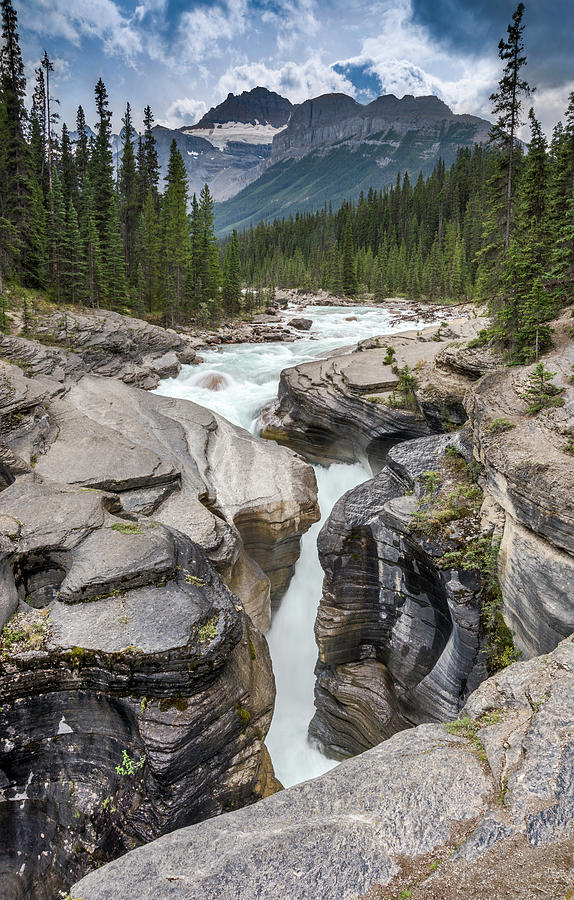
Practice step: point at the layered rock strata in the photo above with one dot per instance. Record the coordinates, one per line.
(398, 631)
(438, 811)
(529, 466)
(135, 691)
(102, 342)
(338, 410)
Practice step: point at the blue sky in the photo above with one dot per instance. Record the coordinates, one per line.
(183, 56)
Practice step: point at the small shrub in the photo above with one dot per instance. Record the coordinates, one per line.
(482, 338)
(500, 424)
(129, 766)
(431, 481)
(24, 632)
(404, 396)
(389, 356)
(243, 715)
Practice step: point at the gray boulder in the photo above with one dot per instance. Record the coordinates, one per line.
(300, 323)
(246, 502)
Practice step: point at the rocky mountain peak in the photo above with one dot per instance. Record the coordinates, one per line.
(258, 106)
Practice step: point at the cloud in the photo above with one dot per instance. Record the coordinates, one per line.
(294, 20)
(100, 19)
(549, 106)
(202, 30)
(407, 60)
(185, 111)
(293, 80)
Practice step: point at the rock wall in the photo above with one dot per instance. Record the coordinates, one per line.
(398, 632)
(135, 691)
(530, 474)
(477, 809)
(337, 409)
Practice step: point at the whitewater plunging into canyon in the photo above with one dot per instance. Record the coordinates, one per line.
(236, 381)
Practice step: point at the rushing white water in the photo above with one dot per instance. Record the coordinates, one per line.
(251, 371)
(236, 381)
(292, 644)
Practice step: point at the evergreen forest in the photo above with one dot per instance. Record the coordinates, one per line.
(498, 226)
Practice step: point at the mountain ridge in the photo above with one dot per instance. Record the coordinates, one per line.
(334, 147)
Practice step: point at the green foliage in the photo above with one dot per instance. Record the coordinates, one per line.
(404, 395)
(541, 393)
(500, 424)
(431, 481)
(193, 579)
(24, 632)
(127, 528)
(129, 766)
(207, 632)
(243, 715)
(389, 356)
(450, 495)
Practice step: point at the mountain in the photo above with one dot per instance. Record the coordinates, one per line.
(230, 145)
(334, 148)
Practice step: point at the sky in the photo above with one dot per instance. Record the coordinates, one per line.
(184, 56)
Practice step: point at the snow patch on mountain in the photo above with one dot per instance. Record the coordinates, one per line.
(243, 132)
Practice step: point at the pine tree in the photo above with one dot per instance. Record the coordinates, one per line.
(51, 116)
(15, 163)
(148, 255)
(176, 247)
(348, 270)
(209, 272)
(149, 165)
(128, 194)
(101, 164)
(232, 277)
(56, 232)
(507, 104)
(82, 154)
(114, 268)
(38, 131)
(73, 259)
(528, 305)
(94, 288)
(68, 168)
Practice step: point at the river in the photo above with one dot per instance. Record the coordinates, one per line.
(249, 380)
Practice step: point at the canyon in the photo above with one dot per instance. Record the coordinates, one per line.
(146, 541)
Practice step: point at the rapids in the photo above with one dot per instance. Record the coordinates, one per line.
(236, 381)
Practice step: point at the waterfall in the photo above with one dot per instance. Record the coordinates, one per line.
(236, 381)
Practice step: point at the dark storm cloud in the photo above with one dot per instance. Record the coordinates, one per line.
(477, 27)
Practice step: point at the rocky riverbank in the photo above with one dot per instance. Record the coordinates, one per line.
(475, 809)
(136, 687)
(410, 618)
(352, 405)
